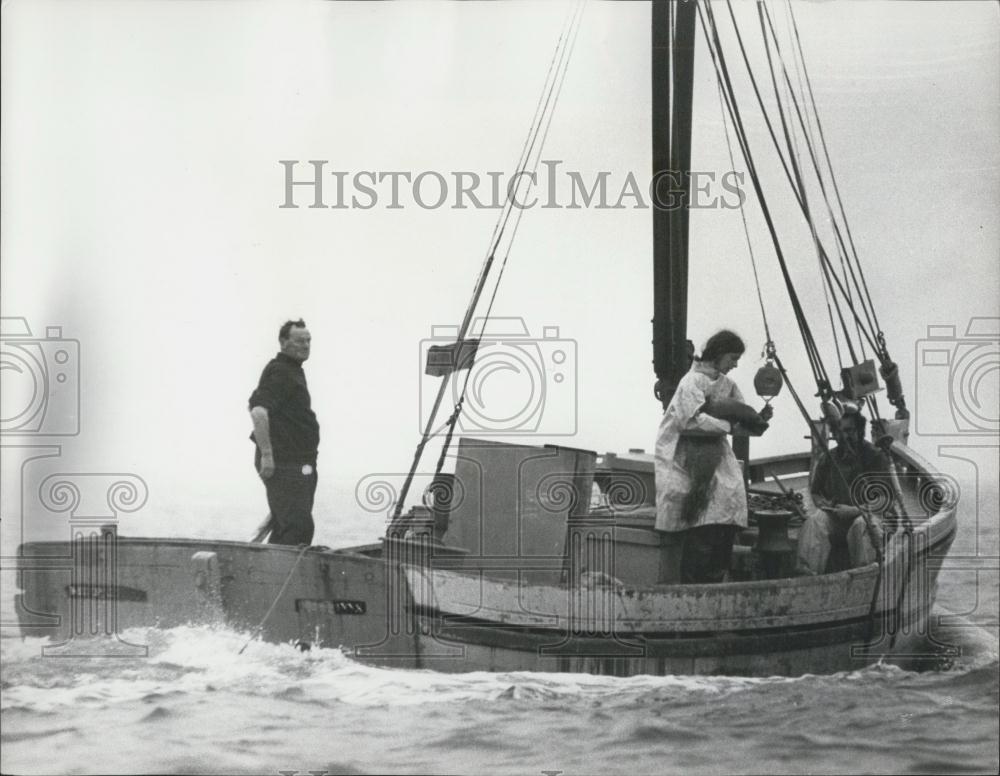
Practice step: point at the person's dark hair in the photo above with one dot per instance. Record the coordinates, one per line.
(286, 329)
(720, 343)
(859, 421)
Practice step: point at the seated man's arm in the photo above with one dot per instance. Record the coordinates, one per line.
(823, 491)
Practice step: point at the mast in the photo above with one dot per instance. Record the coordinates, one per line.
(673, 36)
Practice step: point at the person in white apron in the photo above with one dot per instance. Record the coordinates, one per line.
(700, 494)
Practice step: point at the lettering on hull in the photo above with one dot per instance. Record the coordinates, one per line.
(106, 592)
(336, 606)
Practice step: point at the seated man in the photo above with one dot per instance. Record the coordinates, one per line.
(833, 518)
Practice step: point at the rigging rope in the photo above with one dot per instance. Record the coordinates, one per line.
(801, 187)
(764, 14)
(829, 164)
(850, 261)
(561, 77)
(827, 291)
(743, 216)
(544, 110)
(770, 128)
(722, 73)
(808, 137)
(849, 258)
(817, 243)
(710, 31)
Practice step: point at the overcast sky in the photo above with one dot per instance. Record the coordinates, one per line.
(141, 192)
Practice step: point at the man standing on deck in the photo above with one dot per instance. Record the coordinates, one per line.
(286, 434)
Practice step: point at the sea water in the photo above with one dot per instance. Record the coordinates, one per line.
(195, 705)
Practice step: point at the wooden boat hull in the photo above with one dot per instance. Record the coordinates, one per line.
(407, 604)
(784, 627)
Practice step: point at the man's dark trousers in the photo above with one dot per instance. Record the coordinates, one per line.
(290, 496)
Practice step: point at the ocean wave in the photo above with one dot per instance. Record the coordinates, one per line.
(198, 659)
(274, 705)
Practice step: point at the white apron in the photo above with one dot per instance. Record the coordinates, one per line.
(727, 502)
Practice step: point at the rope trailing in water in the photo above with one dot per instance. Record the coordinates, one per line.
(256, 631)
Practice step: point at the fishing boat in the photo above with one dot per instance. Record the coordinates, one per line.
(545, 557)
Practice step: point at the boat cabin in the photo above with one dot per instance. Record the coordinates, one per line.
(552, 514)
